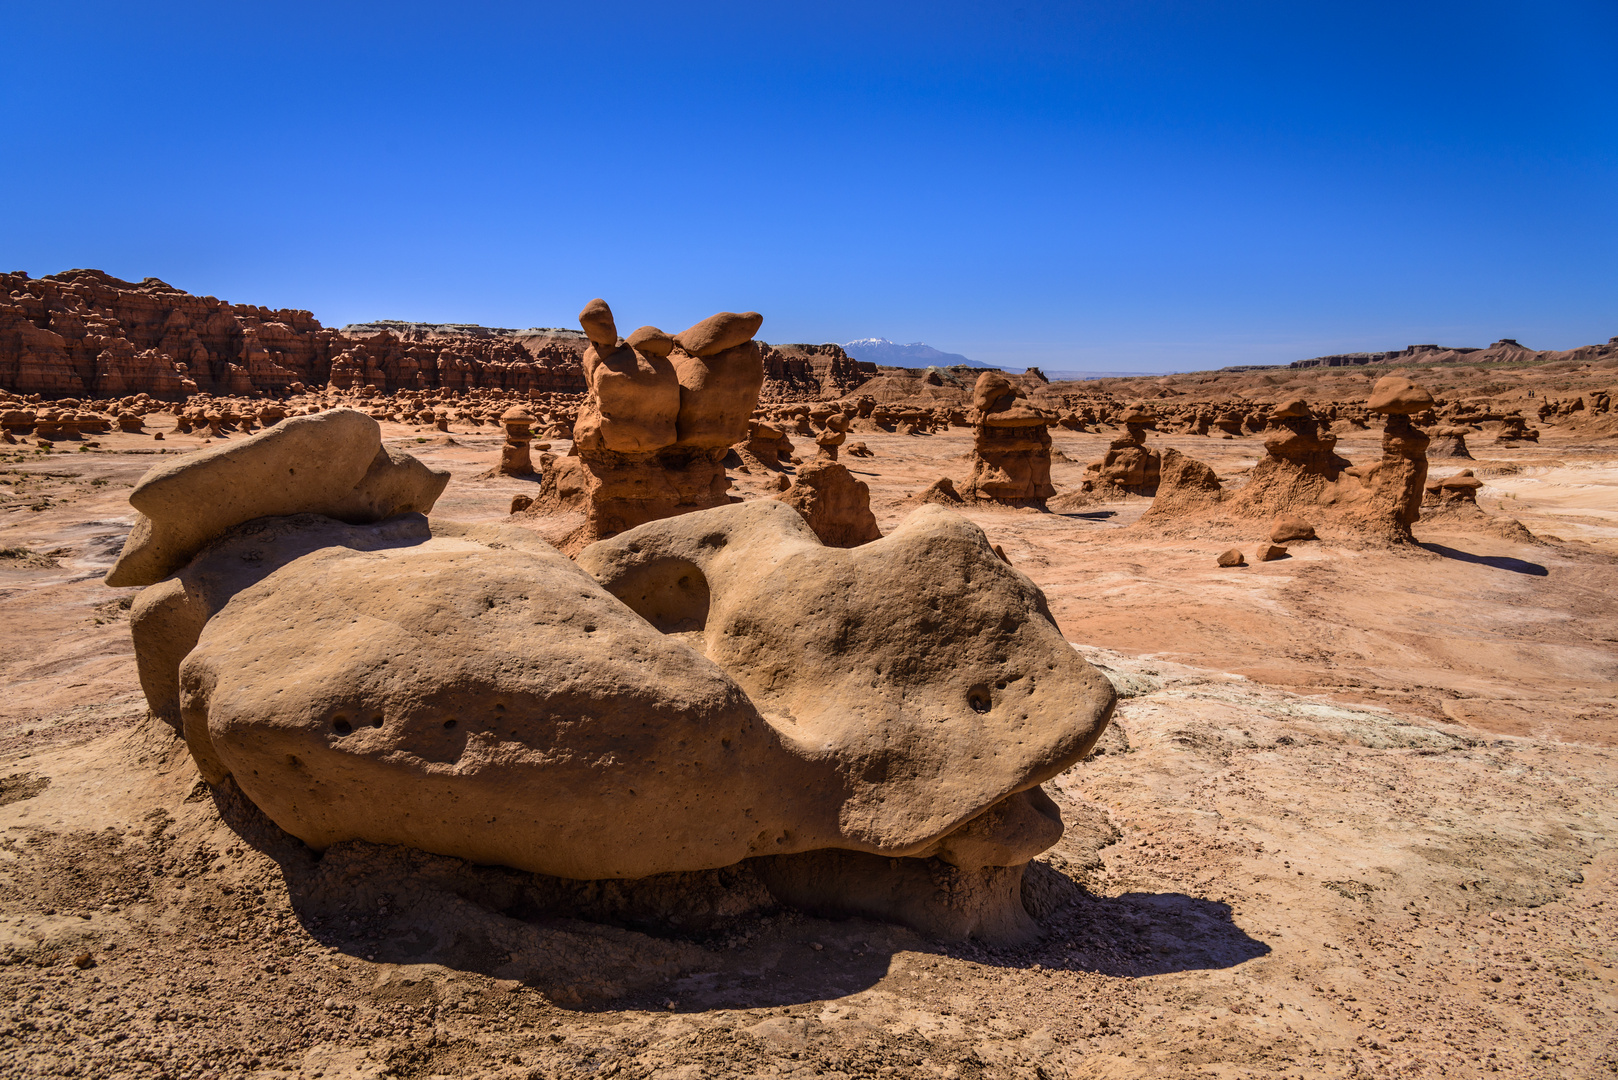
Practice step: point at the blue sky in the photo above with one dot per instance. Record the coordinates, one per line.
(1112, 186)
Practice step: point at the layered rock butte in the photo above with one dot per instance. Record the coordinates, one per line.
(84, 333)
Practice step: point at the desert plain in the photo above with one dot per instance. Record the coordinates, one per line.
(1352, 816)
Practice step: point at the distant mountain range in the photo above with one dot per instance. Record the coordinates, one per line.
(875, 350)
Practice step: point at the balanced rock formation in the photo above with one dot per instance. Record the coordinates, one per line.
(1300, 467)
(1129, 467)
(1452, 442)
(1011, 448)
(767, 446)
(832, 437)
(661, 415)
(868, 726)
(836, 506)
(516, 459)
(1294, 434)
(1392, 488)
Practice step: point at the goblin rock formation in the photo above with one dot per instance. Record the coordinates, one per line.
(1130, 466)
(767, 447)
(832, 437)
(1301, 473)
(866, 727)
(1300, 468)
(1453, 442)
(1392, 487)
(516, 459)
(1011, 452)
(662, 414)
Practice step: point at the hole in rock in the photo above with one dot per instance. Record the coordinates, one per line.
(341, 726)
(376, 721)
(978, 698)
(448, 724)
(671, 594)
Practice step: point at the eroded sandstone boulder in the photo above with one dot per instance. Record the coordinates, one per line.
(1290, 527)
(995, 693)
(868, 725)
(836, 506)
(332, 463)
(1185, 487)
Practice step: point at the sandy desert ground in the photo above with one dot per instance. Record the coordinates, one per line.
(1354, 818)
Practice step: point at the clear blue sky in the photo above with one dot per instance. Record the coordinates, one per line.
(1117, 186)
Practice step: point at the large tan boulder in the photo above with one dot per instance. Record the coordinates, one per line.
(514, 712)
(921, 667)
(473, 693)
(720, 332)
(1395, 395)
(869, 726)
(332, 463)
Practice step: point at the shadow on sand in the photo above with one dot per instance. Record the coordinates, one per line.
(1498, 562)
(702, 941)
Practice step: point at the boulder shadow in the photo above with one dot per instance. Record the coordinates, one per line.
(1497, 562)
(1139, 934)
(683, 942)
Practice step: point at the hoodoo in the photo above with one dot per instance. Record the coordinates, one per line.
(661, 414)
(1011, 444)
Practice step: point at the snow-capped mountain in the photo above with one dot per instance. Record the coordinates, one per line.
(875, 350)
